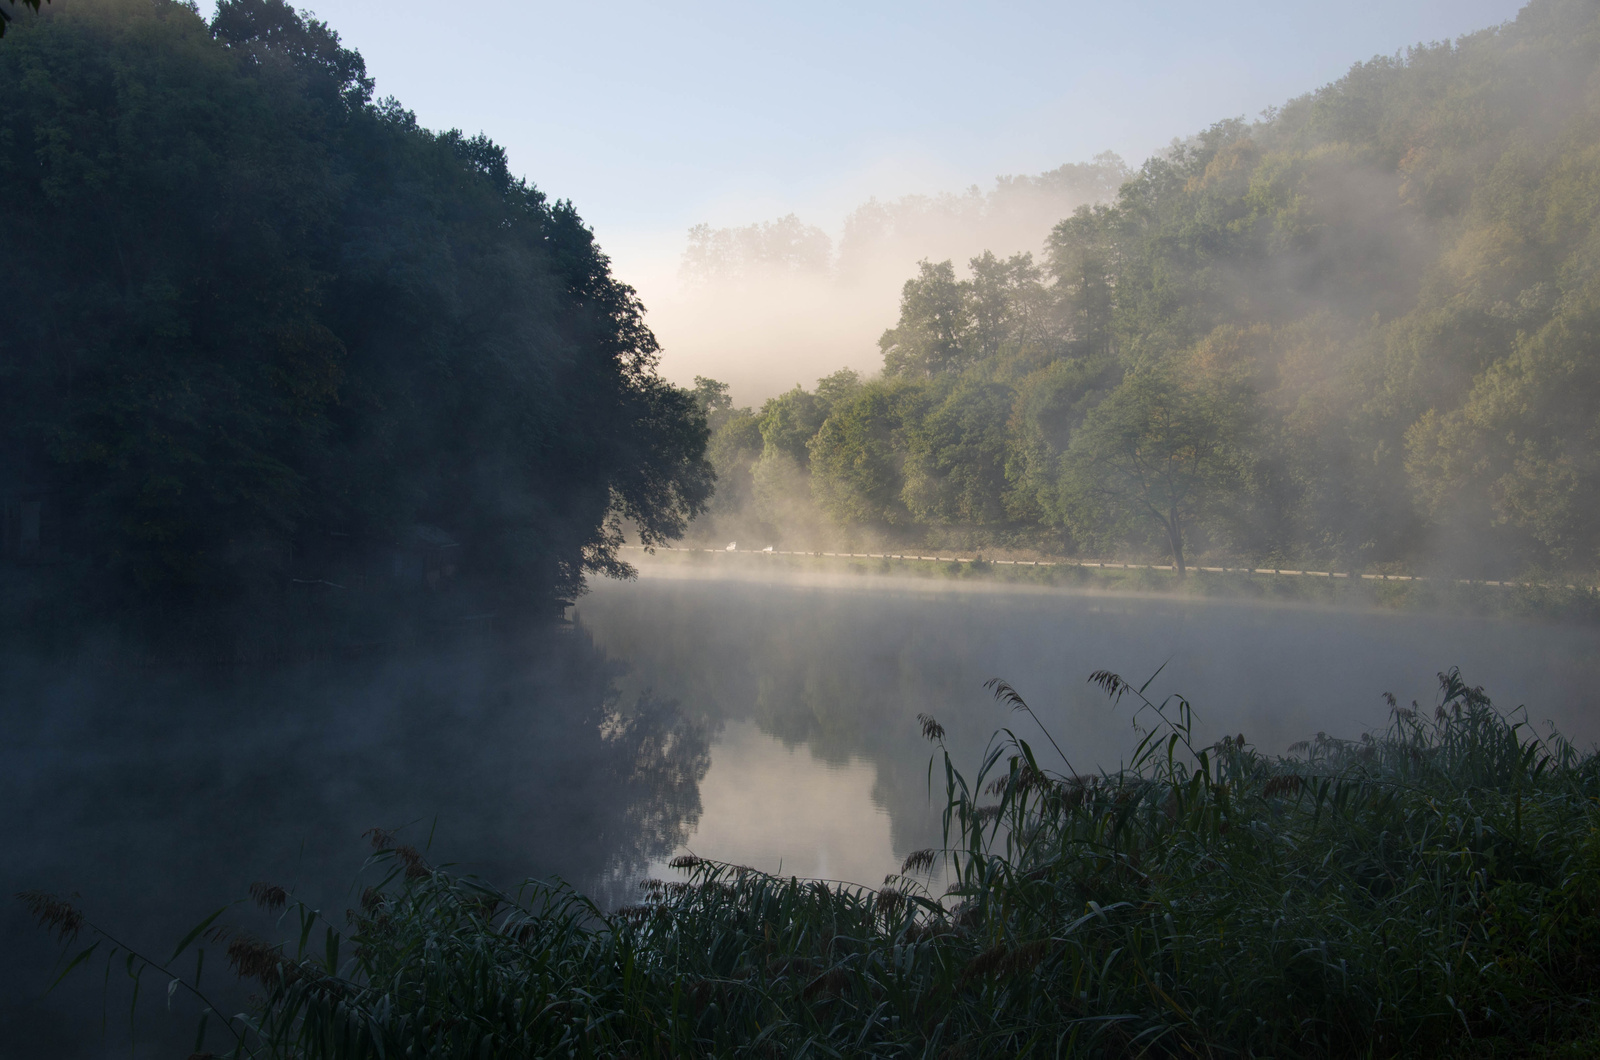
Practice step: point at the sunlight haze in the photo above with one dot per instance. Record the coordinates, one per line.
(735, 530)
(736, 113)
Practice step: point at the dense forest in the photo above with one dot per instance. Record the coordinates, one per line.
(1360, 332)
(262, 330)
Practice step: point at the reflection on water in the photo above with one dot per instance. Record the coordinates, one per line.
(771, 724)
(160, 797)
(842, 667)
(781, 809)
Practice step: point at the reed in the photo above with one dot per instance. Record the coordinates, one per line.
(1431, 889)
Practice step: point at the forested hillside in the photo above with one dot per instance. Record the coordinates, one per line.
(260, 330)
(1361, 332)
(808, 302)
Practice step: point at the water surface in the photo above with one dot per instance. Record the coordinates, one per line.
(841, 668)
(769, 723)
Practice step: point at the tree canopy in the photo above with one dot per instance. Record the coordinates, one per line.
(251, 309)
(1166, 445)
(1378, 303)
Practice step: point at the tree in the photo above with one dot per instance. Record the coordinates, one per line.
(789, 422)
(856, 467)
(1049, 407)
(1160, 448)
(1523, 452)
(955, 458)
(947, 325)
(1083, 258)
(256, 311)
(932, 333)
(1006, 304)
(785, 246)
(835, 389)
(712, 397)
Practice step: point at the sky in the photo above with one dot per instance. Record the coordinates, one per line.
(653, 117)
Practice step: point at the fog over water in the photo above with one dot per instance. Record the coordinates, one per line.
(767, 722)
(343, 411)
(843, 665)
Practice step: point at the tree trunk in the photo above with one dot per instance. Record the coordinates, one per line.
(1175, 539)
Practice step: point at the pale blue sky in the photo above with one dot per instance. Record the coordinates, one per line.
(653, 116)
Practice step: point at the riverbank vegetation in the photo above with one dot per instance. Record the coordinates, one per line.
(267, 340)
(1534, 600)
(1357, 333)
(1429, 890)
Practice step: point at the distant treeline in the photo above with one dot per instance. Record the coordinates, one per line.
(259, 329)
(1363, 331)
(879, 231)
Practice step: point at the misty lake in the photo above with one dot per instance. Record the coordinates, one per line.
(770, 723)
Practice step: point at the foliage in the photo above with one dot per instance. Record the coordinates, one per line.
(254, 312)
(947, 325)
(1164, 446)
(880, 231)
(5, 16)
(1432, 890)
(955, 467)
(781, 246)
(714, 402)
(762, 460)
(1399, 270)
(855, 460)
(789, 421)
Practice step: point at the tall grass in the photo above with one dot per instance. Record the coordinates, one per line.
(1433, 889)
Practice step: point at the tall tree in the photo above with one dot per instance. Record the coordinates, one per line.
(1161, 449)
(254, 310)
(856, 466)
(931, 336)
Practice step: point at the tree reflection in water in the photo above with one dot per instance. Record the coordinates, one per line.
(842, 666)
(160, 796)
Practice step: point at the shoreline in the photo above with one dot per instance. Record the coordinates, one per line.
(1347, 591)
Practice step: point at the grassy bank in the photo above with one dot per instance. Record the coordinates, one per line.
(1433, 890)
(1556, 602)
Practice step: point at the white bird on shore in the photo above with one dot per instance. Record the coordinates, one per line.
(733, 546)
(767, 549)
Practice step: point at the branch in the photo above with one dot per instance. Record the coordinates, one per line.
(5, 18)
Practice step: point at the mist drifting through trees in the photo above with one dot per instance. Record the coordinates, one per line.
(1357, 333)
(314, 424)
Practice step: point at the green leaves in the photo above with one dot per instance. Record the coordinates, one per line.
(198, 930)
(1166, 447)
(1357, 332)
(6, 16)
(266, 328)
